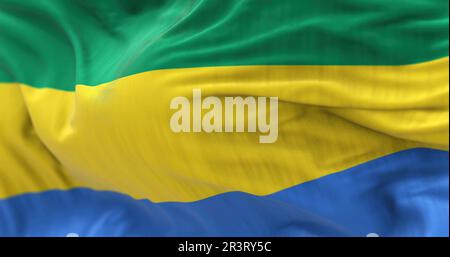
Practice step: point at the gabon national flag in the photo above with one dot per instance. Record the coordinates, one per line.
(224, 118)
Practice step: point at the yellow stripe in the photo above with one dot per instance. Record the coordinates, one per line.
(25, 163)
(116, 136)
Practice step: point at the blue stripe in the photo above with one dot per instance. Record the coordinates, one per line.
(403, 194)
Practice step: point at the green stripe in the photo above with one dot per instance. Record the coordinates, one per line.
(59, 44)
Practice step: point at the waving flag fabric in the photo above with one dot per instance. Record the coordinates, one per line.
(363, 118)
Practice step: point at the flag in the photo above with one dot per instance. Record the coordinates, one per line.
(86, 145)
